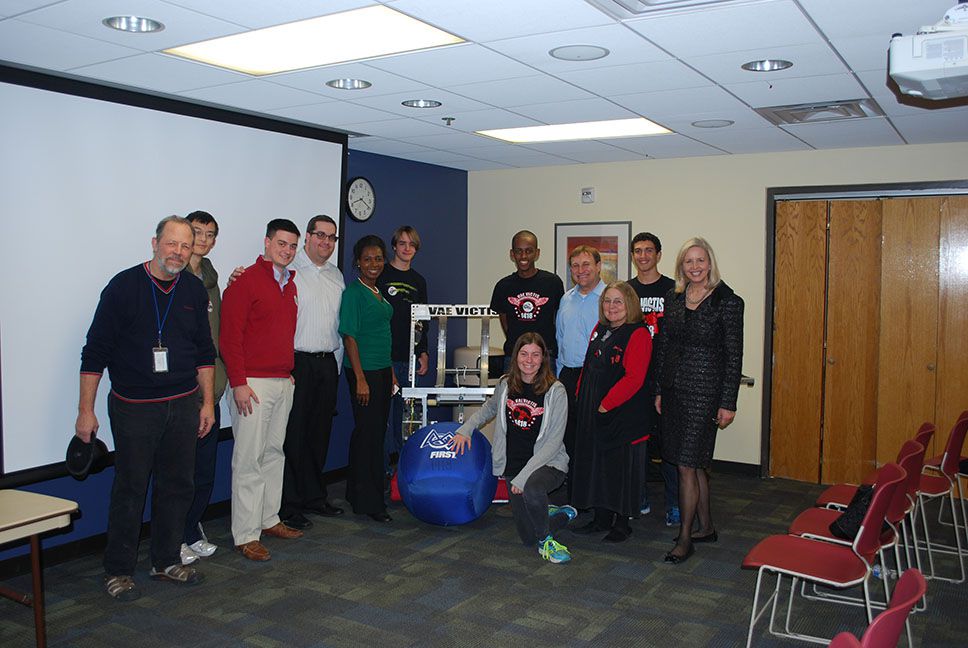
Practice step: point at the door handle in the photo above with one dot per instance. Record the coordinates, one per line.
(931, 366)
(831, 361)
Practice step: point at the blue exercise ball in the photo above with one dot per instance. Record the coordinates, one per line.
(440, 486)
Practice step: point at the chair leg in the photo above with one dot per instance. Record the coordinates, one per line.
(922, 505)
(756, 614)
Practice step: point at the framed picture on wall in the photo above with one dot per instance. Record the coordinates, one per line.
(611, 239)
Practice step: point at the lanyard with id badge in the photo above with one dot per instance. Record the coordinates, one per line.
(159, 353)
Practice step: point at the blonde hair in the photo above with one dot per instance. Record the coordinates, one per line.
(633, 309)
(713, 279)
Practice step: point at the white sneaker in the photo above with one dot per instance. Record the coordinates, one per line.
(187, 555)
(203, 548)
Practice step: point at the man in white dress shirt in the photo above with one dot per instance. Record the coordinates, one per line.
(319, 353)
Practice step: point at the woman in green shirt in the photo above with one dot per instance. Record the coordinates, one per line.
(364, 323)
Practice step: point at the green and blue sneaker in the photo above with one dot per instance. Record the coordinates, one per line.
(567, 509)
(553, 551)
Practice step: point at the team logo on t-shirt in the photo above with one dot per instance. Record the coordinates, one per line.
(527, 305)
(392, 290)
(652, 311)
(523, 412)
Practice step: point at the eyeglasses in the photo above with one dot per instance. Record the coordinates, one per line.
(613, 302)
(332, 238)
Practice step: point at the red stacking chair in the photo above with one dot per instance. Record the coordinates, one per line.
(815, 523)
(939, 481)
(822, 563)
(885, 630)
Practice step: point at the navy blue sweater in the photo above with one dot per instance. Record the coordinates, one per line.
(125, 330)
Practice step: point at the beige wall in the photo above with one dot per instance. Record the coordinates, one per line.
(721, 198)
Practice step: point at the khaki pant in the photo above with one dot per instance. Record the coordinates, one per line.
(257, 458)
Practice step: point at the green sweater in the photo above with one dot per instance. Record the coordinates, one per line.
(366, 319)
(209, 278)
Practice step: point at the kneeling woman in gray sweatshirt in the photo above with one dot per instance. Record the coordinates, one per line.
(530, 409)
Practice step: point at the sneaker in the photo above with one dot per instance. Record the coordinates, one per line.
(552, 551)
(203, 548)
(645, 509)
(672, 516)
(188, 556)
(567, 509)
(121, 588)
(177, 574)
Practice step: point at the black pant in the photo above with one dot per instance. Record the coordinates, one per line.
(530, 508)
(308, 432)
(150, 440)
(364, 482)
(569, 378)
(206, 451)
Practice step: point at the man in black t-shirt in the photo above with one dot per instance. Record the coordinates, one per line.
(402, 286)
(527, 299)
(651, 287)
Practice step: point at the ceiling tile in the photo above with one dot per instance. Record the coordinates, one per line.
(865, 17)
(872, 131)
(158, 72)
(84, 17)
(494, 19)
(449, 103)
(453, 139)
(524, 157)
(442, 158)
(781, 92)
(665, 146)
(566, 112)
(520, 92)
(384, 146)
(314, 80)
(258, 13)
(392, 128)
(483, 119)
(744, 119)
(443, 67)
(255, 95)
(38, 46)
(808, 60)
(672, 103)
(624, 45)
(638, 77)
(712, 30)
(864, 52)
(750, 140)
(332, 113)
(949, 126)
(568, 148)
(14, 7)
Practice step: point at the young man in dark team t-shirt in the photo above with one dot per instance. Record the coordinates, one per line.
(527, 299)
(651, 287)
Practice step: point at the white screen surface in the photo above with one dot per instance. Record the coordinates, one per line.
(82, 185)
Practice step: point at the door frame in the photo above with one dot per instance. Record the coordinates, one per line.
(820, 192)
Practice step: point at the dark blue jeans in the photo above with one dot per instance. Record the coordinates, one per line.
(206, 450)
(151, 440)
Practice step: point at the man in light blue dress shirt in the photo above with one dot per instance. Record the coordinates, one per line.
(577, 316)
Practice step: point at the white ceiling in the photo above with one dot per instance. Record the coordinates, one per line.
(674, 66)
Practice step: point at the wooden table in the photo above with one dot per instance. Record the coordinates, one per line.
(24, 514)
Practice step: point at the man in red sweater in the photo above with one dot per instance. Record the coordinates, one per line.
(256, 344)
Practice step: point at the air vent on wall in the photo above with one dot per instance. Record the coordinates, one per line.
(624, 9)
(821, 112)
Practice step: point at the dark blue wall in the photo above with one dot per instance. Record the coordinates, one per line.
(433, 200)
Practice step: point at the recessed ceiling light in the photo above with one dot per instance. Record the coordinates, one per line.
(354, 35)
(421, 103)
(713, 123)
(348, 84)
(766, 65)
(133, 24)
(579, 52)
(635, 127)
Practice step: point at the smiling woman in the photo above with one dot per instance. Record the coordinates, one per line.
(364, 323)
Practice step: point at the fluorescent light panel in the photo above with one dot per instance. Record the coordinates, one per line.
(636, 127)
(337, 38)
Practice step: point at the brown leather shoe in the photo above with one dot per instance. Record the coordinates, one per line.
(254, 550)
(280, 530)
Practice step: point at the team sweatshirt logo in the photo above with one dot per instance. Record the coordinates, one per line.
(527, 305)
(523, 412)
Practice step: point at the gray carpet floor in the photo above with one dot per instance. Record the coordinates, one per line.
(353, 582)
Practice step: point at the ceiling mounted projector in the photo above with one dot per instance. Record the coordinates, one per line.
(933, 63)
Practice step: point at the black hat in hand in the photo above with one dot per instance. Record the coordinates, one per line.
(85, 458)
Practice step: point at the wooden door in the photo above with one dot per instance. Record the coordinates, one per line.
(952, 385)
(798, 314)
(849, 440)
(909, 321)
